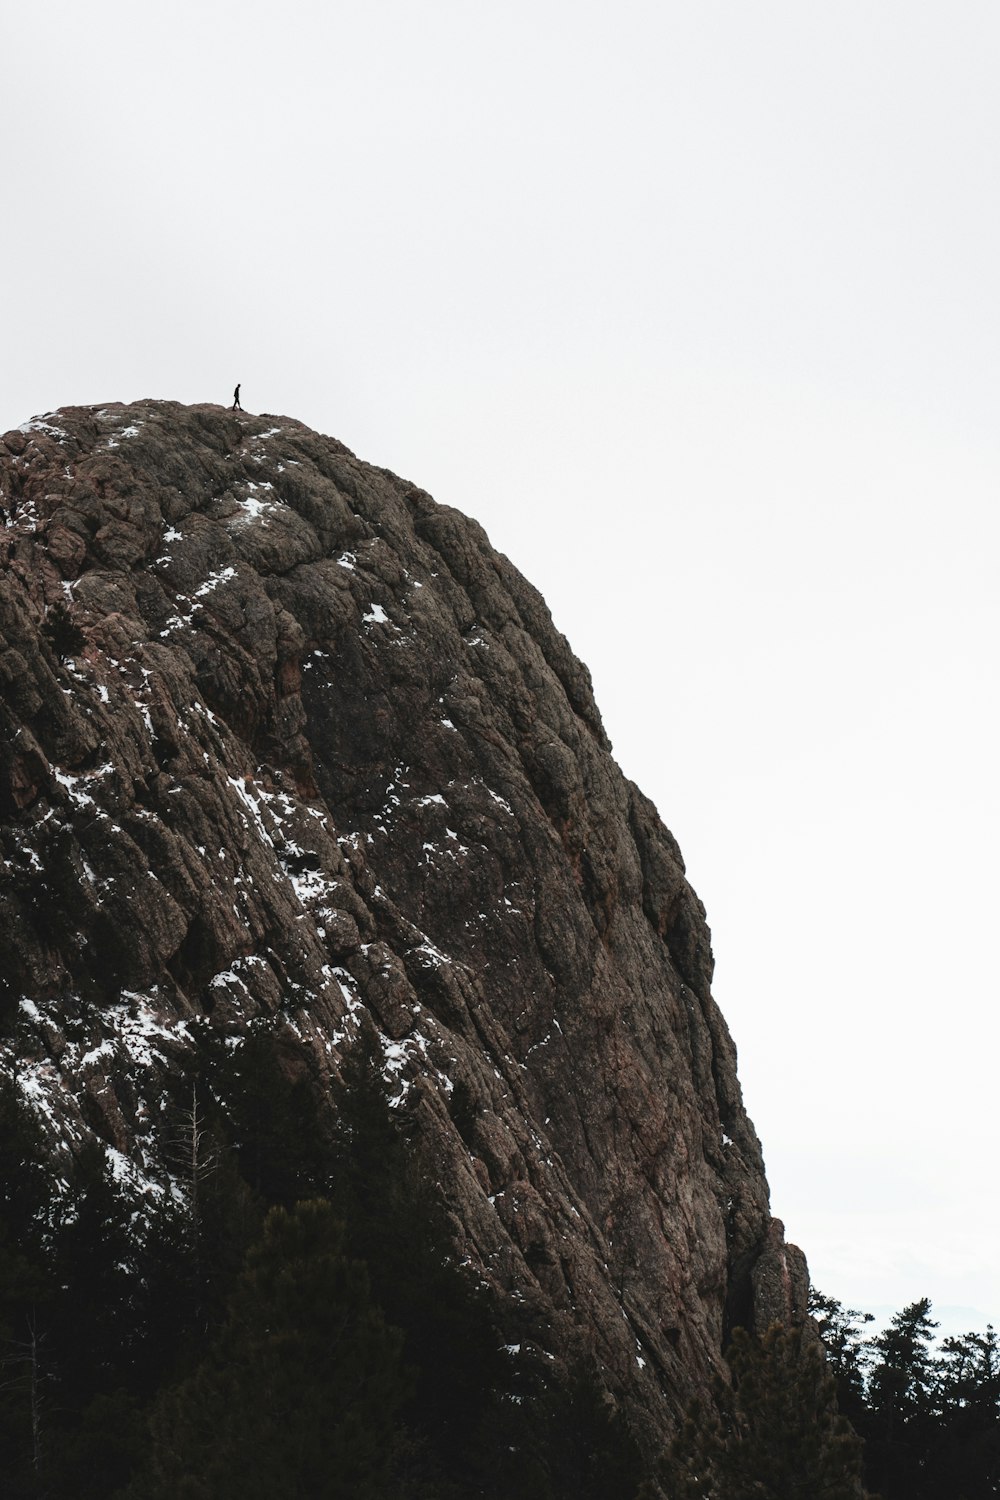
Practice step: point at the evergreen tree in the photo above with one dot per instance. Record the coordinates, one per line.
(590, 1451)
(968, 1372)
(298, 1395)
(963, 1461)
(269, 1098)
(901, 1417)
(776, 1433)
(902, 1379)
(396, 1224)
(94, 1336)
(560, 1440)
(97, 1314)
(27, 1287)
(929, 1417)
(25, 1186)
(847, 1353)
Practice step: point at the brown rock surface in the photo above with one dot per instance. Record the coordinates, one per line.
(324, 752)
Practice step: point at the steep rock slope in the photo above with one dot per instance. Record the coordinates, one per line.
(324, 753)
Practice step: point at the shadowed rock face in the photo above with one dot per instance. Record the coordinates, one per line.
(324, 753)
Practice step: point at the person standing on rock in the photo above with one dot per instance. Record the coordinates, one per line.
(236, 398)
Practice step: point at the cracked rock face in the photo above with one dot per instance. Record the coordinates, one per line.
(323, 753)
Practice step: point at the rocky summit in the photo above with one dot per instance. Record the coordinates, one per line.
(283, 738)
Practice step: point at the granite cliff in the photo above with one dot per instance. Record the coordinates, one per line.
(318, 752)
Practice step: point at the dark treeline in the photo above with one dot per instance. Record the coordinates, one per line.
(289, 1322)
(928, 1412)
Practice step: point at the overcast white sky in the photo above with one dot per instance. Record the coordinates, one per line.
(695, 306)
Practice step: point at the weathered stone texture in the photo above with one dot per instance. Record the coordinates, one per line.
(324, 752)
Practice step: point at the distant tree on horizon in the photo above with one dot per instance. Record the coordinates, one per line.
(928, 1411)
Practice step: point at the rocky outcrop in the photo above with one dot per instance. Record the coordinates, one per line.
(323, 753)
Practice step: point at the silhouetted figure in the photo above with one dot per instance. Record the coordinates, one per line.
(3, 516)
(236, 400)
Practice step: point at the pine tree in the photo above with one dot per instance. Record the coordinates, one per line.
(94, 1335)
(397, 1225)
(901, 1403)
(27, 1289)
(587, 1450)
(847, 1353)
(96, 1314)
(298, 1395)
(270, 1107)
(776, 1433)
(963, 1461)
(25, 1188)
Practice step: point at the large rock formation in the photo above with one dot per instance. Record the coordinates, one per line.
(322, 752)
